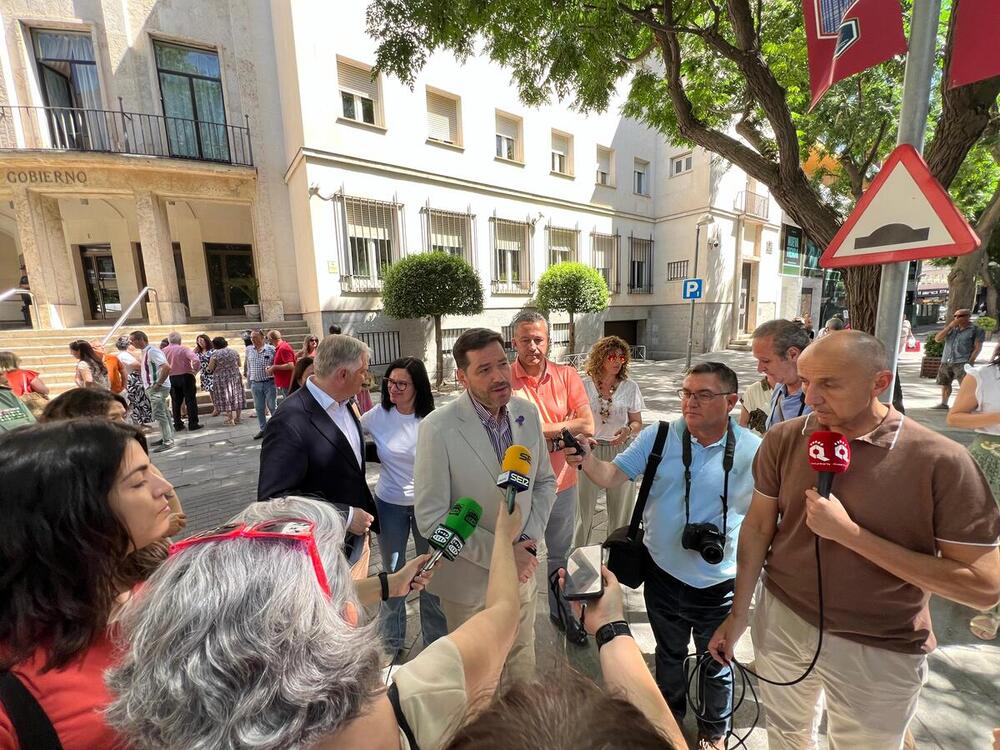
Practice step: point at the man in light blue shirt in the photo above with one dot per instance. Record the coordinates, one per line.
(777, 345)
(685, 593)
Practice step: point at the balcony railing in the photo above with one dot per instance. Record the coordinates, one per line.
(121, 132)
(360, 284)
(753, 204)
(510, 287)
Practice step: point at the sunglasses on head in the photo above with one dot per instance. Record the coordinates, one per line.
(297, 530)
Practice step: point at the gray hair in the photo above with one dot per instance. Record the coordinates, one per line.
(338, 351)
(174, 337)
(527, 317)
(233, 645)
(834, 324)
(784, 334)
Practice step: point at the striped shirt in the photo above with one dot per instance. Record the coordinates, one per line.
(153, 360)
(497, 429)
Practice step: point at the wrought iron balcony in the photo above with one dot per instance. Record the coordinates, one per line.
(753, 204)
(513, 287)
(121, 132)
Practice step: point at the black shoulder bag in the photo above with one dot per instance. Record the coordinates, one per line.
(626, 551)
(31, 725)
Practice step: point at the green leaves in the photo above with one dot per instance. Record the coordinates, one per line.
(431, 284)
(572, 288)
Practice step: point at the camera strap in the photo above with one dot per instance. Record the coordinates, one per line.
(727, 466)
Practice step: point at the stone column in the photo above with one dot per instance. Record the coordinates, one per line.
(266, 264)
(164, 306)
(56, 298)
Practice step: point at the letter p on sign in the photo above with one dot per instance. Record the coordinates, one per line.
(692, 289)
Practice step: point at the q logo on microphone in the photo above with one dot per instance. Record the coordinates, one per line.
(817, 451)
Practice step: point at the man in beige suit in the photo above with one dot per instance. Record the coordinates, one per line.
(459, 450)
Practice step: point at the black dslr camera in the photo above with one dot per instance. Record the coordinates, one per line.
(706, 539)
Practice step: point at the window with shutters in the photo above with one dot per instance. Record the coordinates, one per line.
(511, 256)
(509, 144)
(640, 177)
(681, 164)
(359, 93)
(372, 242)
(562, 153)
(559, 334)
(562, 244)
(443, 118)
(640, 266)
(448, 232)
(605, 167)
(605, 257)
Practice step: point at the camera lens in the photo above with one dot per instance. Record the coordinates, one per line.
(712, 553)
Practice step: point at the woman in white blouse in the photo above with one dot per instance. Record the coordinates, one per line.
(616, 403)
(406, 399)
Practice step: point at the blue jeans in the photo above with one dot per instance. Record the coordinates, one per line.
(676, 612)
(263, 394)
(397, 523)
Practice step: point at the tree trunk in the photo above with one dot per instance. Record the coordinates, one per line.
(572, 334)
(862, 284)
(439, 378)
(962, 277)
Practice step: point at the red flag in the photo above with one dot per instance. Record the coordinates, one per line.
(975, 51)
(848, 36)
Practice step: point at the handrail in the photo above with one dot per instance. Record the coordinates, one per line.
(15, 290)
(128, 310)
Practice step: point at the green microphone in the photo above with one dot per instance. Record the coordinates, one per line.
(451, 535)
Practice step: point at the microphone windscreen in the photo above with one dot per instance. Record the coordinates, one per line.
(463, 518)
(517, 458)
(829, 452)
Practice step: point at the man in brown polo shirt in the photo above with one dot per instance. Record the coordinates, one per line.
(912, 516)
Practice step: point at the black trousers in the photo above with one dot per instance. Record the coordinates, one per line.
(183, 388)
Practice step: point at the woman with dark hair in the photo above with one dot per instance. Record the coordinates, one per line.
(977, 407)
(228, 396)
(86, 402)
(204, 350)
(406, 399)
(78, 497)
(303, 369)
(90, 370)
(140, 410)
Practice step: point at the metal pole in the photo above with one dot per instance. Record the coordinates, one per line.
(920, 65)
(694, 275)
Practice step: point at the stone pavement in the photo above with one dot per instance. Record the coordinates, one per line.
(215, 474)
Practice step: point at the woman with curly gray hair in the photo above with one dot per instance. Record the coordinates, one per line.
(250, 637)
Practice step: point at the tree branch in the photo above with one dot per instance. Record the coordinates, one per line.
(873, 151)
(640, 56)
(855, 174)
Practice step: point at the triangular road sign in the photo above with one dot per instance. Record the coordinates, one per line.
(904, 215)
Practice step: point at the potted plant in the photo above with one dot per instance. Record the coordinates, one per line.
(988, 324)
(248, 286)
(932, 357)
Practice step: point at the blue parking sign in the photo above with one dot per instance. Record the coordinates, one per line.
(692, 288)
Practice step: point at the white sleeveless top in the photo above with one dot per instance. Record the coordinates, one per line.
(987, 392)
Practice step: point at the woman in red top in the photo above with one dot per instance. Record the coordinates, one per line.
(21, 381)
(78, 497)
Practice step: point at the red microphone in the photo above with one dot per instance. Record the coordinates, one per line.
(829, 454)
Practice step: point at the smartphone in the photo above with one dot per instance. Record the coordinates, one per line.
(583, 573)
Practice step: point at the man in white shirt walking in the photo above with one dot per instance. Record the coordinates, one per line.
(154, 371)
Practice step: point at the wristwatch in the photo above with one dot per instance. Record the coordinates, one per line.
(612, 630)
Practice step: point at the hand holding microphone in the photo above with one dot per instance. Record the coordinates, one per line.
(826, 517)
(514, 473)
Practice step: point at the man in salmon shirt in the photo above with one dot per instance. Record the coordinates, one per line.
(558, 393)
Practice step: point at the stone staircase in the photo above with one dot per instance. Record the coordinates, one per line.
(47, 352)
(741, 343)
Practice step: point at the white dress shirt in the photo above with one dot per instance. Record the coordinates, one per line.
(339, 412)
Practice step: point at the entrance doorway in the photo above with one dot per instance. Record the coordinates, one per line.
(625, 329)
(101, 281)
(746, 278)
(231, 277)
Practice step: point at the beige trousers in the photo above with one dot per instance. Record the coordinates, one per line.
(521, 660)
(621, 500)
(870, 694)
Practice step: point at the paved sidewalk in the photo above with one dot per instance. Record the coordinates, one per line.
(215, 473)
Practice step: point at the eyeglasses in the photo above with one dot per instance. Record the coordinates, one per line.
(399, 385)
(616, 358)
(700, 397)
(276, 529)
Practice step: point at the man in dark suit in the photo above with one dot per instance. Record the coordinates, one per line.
(313, 444)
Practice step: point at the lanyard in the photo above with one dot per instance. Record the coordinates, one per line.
(727, 466)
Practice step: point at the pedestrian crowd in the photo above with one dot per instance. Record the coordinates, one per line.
(268, 632)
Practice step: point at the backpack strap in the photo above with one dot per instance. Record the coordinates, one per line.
(404, 724)
(652, 463)
(31, 725)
